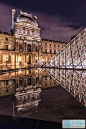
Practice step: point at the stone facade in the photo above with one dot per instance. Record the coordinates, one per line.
(23, 45)
(49, 48)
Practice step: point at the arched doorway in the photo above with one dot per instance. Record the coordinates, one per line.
(29, 47)
(29, 59)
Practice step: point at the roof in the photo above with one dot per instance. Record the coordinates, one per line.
(5, 33)
(52, 40)
(25, 17)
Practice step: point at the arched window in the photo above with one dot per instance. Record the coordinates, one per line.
(6, 58)
(20, 30)
(35, 33)
(28, 31)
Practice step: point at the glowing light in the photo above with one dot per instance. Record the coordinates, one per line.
(6, 73)
(20, 71)
(19, 58)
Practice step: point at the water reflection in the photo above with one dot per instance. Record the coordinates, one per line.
(24, 88)
(22, 93)
(72, 80)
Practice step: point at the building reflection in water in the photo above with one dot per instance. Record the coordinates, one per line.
(73, 81)
(24, 88)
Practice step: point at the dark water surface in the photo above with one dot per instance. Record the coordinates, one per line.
(45, 94)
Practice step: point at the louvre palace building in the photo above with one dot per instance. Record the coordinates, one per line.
(23, 44)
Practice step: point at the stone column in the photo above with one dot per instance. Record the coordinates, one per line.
(18, 47)
(26, 46)
(25, 58)
(14, 59)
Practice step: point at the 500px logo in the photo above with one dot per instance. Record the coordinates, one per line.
(66, 123)
(73, 123)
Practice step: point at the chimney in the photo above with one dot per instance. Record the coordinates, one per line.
(35, 18)
(13, 16)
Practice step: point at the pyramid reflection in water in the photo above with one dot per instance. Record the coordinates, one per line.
(72, 80)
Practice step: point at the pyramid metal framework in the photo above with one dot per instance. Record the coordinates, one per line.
(72, 80)
(73, 55)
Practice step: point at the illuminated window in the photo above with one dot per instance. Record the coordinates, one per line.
(35, 95)
(28, 31)
(20, 30)
(6, 58)
(20, 99)
(35, 33)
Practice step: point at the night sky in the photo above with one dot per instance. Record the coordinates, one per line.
(58, 19)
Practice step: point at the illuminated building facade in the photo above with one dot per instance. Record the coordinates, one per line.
(73, 55)
(50, 48)
(23, 45)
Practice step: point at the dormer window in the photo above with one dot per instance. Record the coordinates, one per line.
(20, 30)
(35, 33)
(28, 31)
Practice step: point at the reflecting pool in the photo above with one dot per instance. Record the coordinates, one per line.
(45, 94)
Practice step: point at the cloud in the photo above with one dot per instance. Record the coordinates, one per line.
(52, 27)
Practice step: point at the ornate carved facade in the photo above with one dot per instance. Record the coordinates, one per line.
(24, 45)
